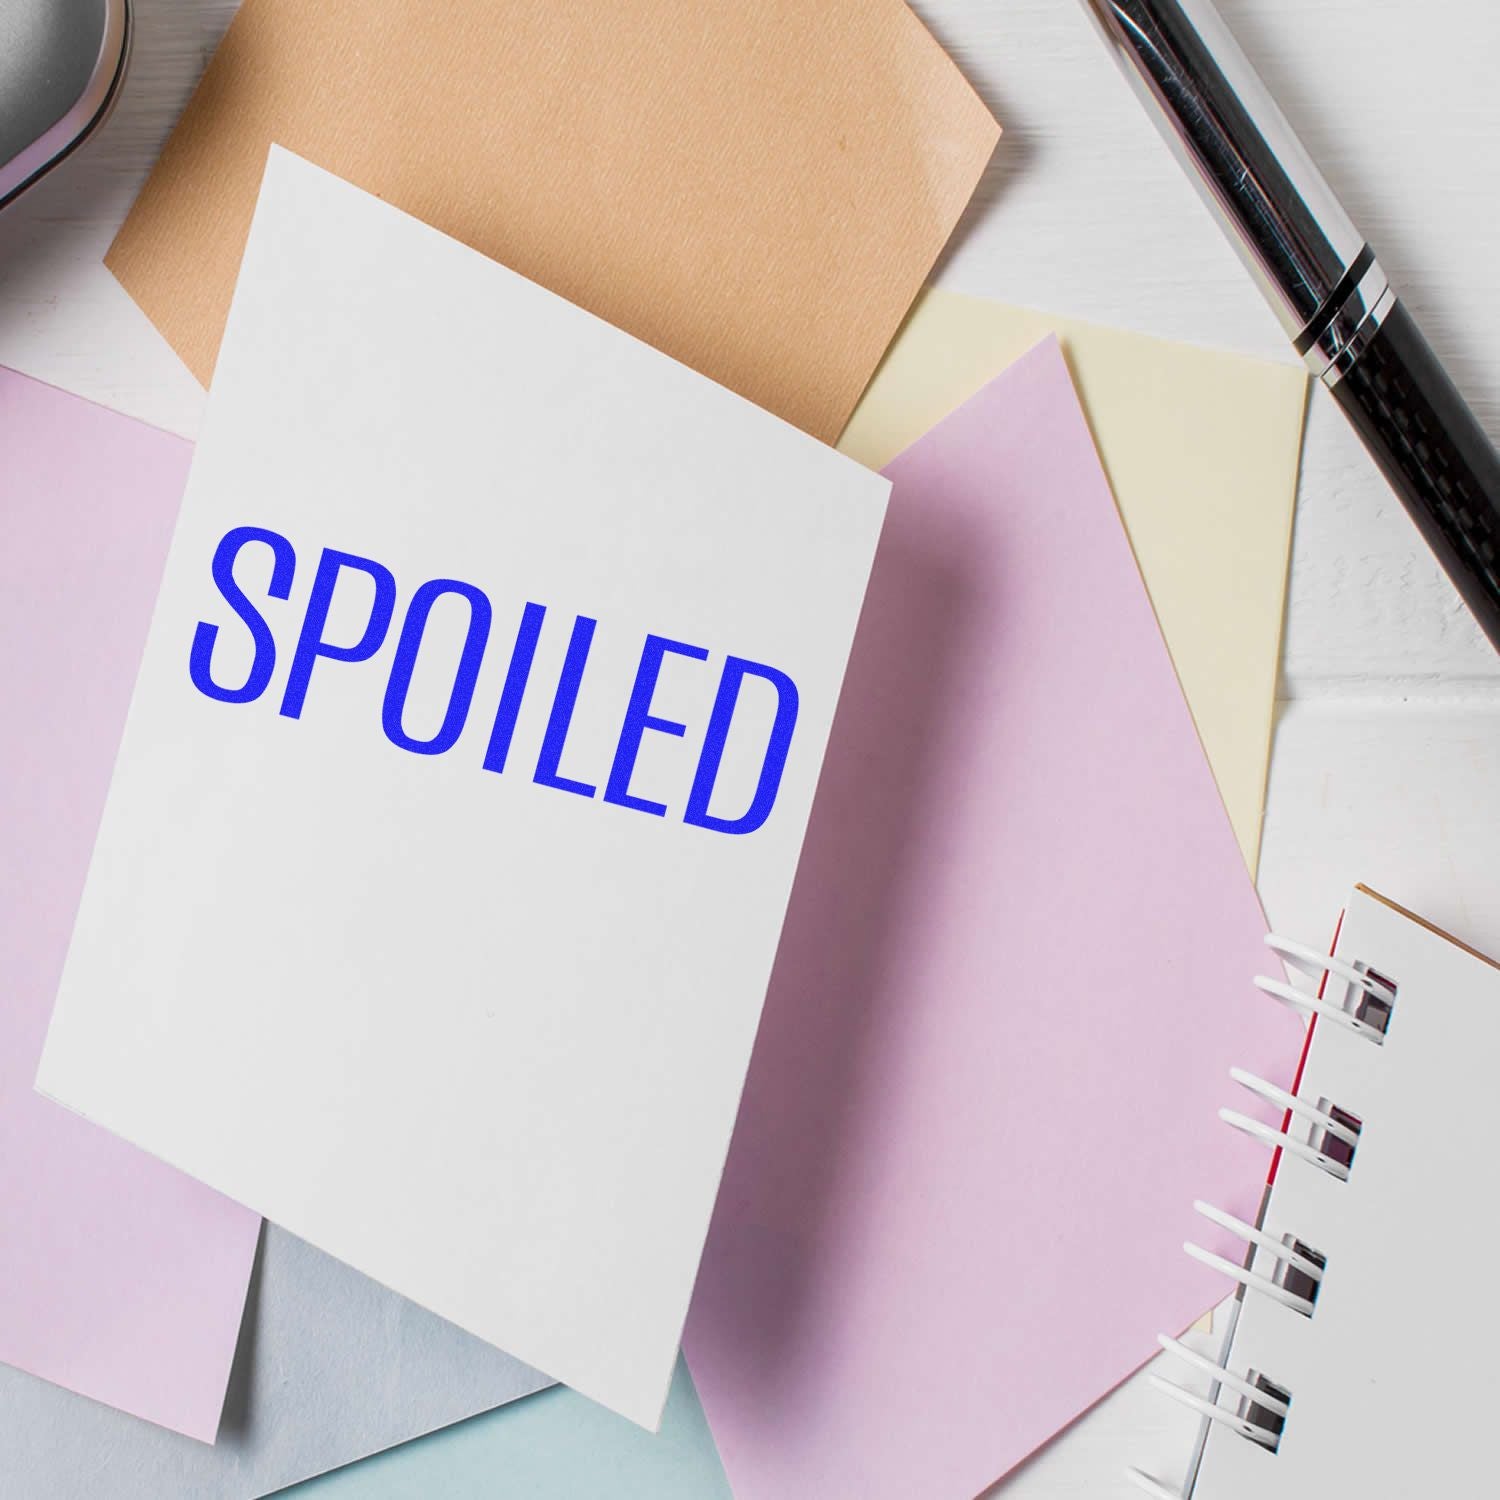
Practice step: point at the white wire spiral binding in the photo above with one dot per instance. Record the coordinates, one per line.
(1283, 1100)
(1326, 1125)
(1253, 1236)
(1315, 1005)
(1227, 1378)
(1252, 1281)
(1300, 956)
(1315, 965)
(1153, 1487)
(1270, 1136)
(1214, 1412)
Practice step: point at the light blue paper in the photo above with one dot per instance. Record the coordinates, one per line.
(330, 1367)
(555, 1445)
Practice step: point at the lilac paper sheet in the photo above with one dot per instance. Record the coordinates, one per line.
(1015, 971)
(119, 1277)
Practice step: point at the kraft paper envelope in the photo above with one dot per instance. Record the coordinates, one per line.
(330, 1367)
(1015, 973)
(462, 786)
(757, 188)
(1201, 448)
(119, 1277)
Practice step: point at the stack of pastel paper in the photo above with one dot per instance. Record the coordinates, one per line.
(448, 856)
(121, 1279)
(302, 1398)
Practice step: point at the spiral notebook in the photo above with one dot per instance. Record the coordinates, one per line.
(1338, 1372)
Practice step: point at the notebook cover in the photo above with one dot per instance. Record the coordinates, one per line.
(1387, 1395)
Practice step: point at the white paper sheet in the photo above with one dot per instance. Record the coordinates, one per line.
(504, 1014)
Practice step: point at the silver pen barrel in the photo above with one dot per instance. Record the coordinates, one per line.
(1310, 262)
(1321, 278)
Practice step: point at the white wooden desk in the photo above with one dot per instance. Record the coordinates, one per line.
(1387, 758)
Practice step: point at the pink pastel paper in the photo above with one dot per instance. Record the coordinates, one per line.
(1016, 970)
(119, 1277)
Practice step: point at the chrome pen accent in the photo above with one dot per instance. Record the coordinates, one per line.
(1350, 327)
(1321, 279)
(1223, 125)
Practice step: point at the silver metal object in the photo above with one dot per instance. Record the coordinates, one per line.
(1322, 280)
(1262, 186)
(61, 66)
(1350, 332)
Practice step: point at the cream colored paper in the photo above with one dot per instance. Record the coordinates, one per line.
(1201, 448)
(758, 189)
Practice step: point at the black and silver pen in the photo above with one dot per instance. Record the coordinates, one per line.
(1322, 279)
